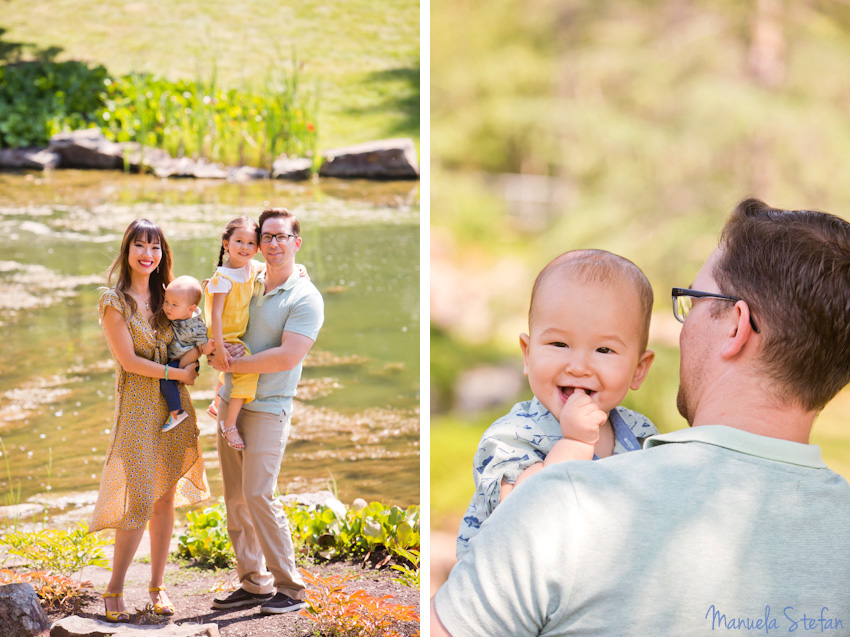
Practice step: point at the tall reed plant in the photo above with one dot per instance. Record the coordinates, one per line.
(201, 120)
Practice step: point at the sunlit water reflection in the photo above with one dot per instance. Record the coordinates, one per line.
(356, 423)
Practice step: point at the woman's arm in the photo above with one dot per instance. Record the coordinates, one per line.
(118, 335)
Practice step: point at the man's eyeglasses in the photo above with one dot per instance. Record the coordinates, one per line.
(281, 238)
(683, 301)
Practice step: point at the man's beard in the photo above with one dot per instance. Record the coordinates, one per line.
(682, 403)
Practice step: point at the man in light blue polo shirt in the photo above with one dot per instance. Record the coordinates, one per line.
(732, 525)
(284, 321)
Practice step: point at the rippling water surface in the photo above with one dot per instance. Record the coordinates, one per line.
(356, 422)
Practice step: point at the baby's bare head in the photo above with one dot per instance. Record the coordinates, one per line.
(182, 296)
(598, 268)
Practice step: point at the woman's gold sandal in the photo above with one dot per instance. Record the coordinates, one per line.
(161, 609)
(115, 616)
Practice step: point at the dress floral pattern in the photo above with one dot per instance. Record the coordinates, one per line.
(142, 463)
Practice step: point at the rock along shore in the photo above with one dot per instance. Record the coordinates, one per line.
(388, 159)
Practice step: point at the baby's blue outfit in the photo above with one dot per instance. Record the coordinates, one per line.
(525, 437)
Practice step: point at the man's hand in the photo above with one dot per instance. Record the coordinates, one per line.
(581, 418)
(235, 350)
(221, 358)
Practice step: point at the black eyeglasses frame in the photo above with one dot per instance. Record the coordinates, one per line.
(677, 292)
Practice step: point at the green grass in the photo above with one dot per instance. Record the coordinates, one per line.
(362, 54)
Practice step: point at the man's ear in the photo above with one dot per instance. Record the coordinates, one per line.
(642, 369)
(740, 331)
(523, 344)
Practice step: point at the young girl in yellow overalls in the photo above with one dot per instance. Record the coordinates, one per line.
(228, 295)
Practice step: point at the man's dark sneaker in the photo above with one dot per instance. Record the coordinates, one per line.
(281, 603)
(240, 597)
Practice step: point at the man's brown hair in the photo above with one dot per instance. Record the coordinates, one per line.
(792, 267)
(273, 213)
(600, 266)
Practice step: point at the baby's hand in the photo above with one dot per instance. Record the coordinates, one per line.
(302, 271)
(581, 418)
(208, 347)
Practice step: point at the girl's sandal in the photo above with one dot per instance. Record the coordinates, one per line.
(238, 444)
(115, 616)
(212, 411)
(161, 609)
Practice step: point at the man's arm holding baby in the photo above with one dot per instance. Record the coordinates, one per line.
(580, 420)
(291, 351)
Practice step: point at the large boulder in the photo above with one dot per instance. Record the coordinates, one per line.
(241, 174)
(384, 159)
(86, 149)
(140, 158)
(293, 168)
(187, 168)
(73, 626)
(28, 159)
(20, 612)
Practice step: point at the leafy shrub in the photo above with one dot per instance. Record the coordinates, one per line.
(186, 118)
(55, 591)
(40, 99)
(338, 613)
(322, 531)
(329, 533)
(58, 552)
(205, 539)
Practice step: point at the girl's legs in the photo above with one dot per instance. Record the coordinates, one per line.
(160, 528)
(228, 426)
(126, 543)
(212, 410)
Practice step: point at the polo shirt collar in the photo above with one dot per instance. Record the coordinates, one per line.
(286, 285)
(745, 442)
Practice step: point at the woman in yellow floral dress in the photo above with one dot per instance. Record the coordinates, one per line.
(147, 473)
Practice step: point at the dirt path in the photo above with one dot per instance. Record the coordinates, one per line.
(192, 591)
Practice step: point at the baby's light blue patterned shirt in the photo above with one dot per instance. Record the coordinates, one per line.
(188, 333)
(522, 438)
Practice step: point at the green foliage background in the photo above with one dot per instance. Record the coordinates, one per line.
(651, 119)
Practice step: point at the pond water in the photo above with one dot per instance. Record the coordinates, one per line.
(356, 421)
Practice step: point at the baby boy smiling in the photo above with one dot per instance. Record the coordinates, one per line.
(586, 347)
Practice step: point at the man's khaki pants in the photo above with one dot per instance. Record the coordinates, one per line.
(256, 523)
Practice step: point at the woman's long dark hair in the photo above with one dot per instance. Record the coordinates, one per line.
(239, 222)
(161, 277)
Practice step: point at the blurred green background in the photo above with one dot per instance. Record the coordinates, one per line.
(631, 126)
